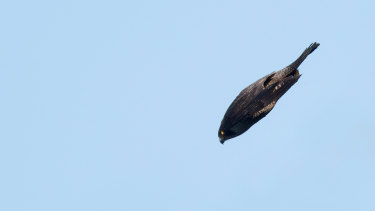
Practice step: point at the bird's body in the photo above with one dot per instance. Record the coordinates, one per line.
(257, 100)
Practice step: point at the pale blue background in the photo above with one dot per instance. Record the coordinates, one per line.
(115, 105)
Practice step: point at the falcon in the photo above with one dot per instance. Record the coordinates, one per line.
(257, 100)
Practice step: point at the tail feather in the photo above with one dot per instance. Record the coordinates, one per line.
(303, 56)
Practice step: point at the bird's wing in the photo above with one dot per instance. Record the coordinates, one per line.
(262, 103)
(242, 108)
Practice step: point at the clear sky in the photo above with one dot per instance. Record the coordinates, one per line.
(115, 105)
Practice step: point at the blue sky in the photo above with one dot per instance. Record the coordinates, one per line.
(115, 105)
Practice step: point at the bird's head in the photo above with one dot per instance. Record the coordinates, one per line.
(225, 135)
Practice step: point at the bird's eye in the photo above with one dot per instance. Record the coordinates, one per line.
(221, 132)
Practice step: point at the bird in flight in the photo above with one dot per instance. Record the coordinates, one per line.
(257, 100)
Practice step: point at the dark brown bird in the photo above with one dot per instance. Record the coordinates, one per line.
(257, 100)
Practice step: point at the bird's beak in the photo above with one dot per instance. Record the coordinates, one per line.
(222, 140)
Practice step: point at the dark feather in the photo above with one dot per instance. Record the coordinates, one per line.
(257, 100)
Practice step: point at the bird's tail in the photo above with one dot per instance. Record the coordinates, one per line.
(303, 56)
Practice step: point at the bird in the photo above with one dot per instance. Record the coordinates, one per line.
(257, 100)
